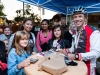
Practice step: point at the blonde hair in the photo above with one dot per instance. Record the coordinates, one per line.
(19, 35)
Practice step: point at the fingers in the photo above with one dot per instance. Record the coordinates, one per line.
(33, 53)
(60, 50)
(26, 63)
(65, 51)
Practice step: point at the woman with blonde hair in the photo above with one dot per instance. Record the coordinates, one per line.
(20, 50)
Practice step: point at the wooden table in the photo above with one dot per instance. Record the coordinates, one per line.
(80, 69)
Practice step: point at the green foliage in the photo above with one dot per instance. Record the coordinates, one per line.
(18, 13)
(27, 13)
(18, 19)
(1, 10)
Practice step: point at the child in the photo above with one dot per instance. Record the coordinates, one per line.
(57, 42)
(7, 33)
(20, 50)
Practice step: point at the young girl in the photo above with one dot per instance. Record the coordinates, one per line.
(43, 36)
(57, 42)
(7, 33)
(18, 53)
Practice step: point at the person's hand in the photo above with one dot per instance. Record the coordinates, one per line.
(33, 53)
(51, 49)
(71, 56)
(60, 50)
(65, 51)
(24, 63)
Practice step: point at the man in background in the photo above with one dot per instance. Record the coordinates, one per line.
(63, 23)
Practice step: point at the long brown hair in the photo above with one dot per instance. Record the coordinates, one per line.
(62, 33)
(18, 36)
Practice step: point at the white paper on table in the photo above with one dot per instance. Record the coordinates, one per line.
(38, 54)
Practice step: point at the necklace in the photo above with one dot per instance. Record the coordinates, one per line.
(77, 37)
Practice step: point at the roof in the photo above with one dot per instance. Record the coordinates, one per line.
(66, 6)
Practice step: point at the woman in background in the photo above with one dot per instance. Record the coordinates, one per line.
(26, 27)
(43, 36)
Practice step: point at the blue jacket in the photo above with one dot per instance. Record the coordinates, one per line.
(14, 60)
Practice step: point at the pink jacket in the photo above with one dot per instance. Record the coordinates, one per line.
(41, 40)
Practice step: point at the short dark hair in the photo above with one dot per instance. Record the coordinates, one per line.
(54, 27)
(7, 27)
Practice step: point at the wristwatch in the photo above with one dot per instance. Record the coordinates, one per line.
(76, 56)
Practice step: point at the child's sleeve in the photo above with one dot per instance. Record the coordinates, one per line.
(12, 64)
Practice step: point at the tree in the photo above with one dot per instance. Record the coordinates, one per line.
(27, 13)
(18, 12)
(27, 10)
(19, 18)
(1, 10)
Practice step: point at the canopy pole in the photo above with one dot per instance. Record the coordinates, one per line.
(67, 15)
(87, 18)
(23, 10)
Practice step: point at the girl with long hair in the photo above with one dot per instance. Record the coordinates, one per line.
(20, 50)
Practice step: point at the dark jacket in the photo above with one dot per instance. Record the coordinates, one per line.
(3, 58)
(64, 43)
(68, 37)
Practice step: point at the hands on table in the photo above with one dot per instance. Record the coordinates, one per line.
(70, 56)
(23, 64)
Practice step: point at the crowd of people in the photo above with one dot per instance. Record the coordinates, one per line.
(79, 41)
